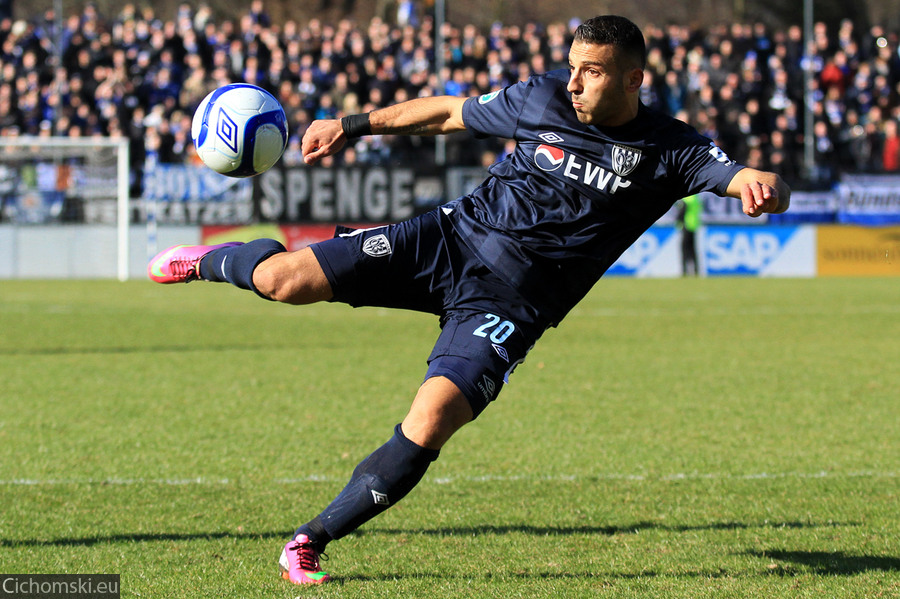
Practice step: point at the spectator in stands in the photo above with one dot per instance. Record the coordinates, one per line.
(826, 156)
(890, 153)
(852, 143)
(874, 139)
(674, 93)
(782, 158)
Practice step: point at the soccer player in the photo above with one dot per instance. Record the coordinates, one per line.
(593, 168)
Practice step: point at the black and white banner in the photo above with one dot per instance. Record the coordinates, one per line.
(345, 194)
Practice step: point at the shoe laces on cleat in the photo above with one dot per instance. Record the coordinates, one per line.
(306, 553)
(300, 562)
(185, 267)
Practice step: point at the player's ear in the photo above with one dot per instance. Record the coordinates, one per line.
(635, 78)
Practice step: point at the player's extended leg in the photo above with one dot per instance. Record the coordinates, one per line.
(382, 479)
(263, 266)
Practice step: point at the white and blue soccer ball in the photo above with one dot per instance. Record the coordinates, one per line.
(239, 130)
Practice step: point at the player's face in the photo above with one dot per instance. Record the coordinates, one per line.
(604, 92)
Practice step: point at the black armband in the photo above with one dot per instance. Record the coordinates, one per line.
(356, 125)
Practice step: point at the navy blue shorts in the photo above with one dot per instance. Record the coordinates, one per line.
(487, 328)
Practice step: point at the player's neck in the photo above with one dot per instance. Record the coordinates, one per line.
(622, 118)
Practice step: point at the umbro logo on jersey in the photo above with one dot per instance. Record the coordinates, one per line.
(380, 498)
(548, 158)
(377, 246)
(625, 159)
(551, 138)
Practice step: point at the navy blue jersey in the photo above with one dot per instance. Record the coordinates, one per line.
(556, 214)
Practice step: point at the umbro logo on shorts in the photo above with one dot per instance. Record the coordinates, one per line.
(377, 246)
(487, 387)
(501, 351)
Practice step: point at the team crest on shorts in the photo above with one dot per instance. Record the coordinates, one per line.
(377, 246)
(625, 159)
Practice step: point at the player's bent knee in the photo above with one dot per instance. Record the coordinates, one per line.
(438, 411)
(269, 279)
(292, 278)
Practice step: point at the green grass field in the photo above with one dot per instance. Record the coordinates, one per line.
(673, 438)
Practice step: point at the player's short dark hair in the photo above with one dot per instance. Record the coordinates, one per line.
(617, 31)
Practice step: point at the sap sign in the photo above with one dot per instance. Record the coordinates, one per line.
(655, 253)
(767, 251)
(741, 252)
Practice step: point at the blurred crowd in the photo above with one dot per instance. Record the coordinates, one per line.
(141, 75)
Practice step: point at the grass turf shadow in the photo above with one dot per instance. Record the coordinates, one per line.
(468, 531)
(142, 538)
(828, 563)
(601, 530)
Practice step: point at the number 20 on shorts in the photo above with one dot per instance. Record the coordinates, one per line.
(496, 329)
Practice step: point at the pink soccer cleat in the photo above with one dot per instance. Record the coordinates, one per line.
(181, 264)
(300, 562)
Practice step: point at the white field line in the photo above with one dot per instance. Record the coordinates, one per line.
(619, 311)
(317, 478)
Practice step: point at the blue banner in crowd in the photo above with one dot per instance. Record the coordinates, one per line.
(808, 207)
(29, 193)
(869, 200)
(32, 207)
(192, 183)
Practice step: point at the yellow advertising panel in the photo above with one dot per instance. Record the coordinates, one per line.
(858, 251)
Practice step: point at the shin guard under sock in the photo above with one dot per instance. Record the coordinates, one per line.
(236, 264)
(378, 482)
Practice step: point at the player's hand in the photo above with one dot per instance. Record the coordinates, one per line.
(323, 138)
(758, 198)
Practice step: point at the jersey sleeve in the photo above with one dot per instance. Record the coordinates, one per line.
(497, 113)
(702, 166)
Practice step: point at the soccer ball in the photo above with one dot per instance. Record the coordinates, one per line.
(239, 130)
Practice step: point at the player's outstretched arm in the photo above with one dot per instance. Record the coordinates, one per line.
(422, 116)
(760, 192)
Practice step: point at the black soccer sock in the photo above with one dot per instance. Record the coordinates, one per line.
(236, 264)
(316, 533)
(379, 481)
